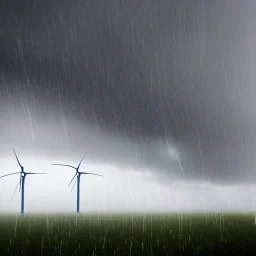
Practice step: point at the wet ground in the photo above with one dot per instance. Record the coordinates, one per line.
(128, 234)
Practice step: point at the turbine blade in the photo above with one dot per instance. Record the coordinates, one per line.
(91, 173)
(35, 173)
(9, 174)
(73, 186)
(66, 165)
(16, 189)
(71, 180)
(17, 159)
(81, 161)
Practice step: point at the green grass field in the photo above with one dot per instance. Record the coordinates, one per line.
(128, 234)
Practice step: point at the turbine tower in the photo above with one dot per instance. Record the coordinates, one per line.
(78, 176)
(23, 175)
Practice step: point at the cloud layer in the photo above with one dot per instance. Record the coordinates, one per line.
(130, 82)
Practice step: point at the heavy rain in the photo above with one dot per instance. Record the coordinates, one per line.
(160, 97)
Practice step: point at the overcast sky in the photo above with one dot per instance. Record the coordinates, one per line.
(158, 93)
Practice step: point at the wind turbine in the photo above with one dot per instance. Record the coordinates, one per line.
(78, 176)
(23, 175)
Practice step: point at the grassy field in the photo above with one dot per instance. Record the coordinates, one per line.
(128, 234)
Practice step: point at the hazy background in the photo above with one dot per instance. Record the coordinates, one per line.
(160, 95)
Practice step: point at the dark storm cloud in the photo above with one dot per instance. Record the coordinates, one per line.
(150, 72)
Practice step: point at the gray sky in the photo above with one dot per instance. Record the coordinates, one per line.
(164, 89)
